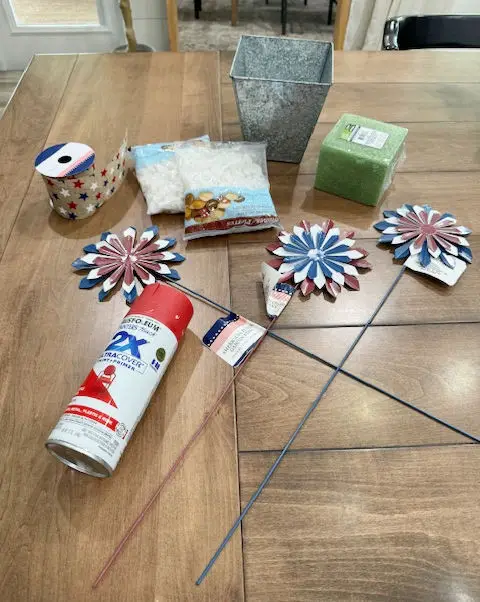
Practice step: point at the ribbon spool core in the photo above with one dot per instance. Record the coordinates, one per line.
(64, 160)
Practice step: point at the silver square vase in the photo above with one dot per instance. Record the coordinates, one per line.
(280, 87)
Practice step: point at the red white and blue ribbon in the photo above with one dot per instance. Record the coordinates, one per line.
(76, 186)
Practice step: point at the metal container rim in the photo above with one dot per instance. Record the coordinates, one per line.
(282, 81)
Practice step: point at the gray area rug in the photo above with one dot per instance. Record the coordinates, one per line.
(213, 30)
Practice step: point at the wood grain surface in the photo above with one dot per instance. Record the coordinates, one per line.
(351, 415)
(295, 197)
(430, 147)
(416, 299)
(404, 102)
(396, 524)
(226, 58)
(369, 526)
(423, 66)
(375, 503)
(404, 67)
(389, 102)
(24, 128)
(58, 527)
(435, 366)
(446, 146)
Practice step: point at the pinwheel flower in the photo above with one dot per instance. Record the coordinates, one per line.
(118, 259)
(318, 257)
(422, 231)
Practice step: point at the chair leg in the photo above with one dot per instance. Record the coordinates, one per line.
(234, 12)
(305, 2)
(330, 12)
(197, 6)
(172, 24)
(284, 17)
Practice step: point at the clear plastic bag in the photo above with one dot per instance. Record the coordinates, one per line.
(158, 175)
(226, 189)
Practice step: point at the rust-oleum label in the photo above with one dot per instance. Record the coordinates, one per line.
(104, 413)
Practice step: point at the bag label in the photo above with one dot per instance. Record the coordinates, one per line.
(218, 210)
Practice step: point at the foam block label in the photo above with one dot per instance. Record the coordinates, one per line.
(364, 136)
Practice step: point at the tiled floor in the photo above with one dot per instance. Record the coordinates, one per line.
(213, 31)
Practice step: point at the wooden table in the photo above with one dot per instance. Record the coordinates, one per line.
(376, 502)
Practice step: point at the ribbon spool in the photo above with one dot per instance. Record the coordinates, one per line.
(76, 189)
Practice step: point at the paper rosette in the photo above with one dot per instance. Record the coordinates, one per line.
(420, 230)
(118, 259)
(318, 256)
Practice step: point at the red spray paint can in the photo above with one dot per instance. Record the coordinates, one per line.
(98, 423)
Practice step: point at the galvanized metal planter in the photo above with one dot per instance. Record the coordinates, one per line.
(280, 87)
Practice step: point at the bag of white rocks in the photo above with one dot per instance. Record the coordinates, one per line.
(158, 175)
(226, 189)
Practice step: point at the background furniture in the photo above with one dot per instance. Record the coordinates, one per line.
(434, 31)
(284, 8)
(234, 12)
(341, 21)
(376, 501)
(330, 10)
(197, 7)
(172, 18)
(366, 19)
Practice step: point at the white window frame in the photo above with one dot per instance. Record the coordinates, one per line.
(19, 42)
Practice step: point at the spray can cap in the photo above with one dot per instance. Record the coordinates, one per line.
(166, 304)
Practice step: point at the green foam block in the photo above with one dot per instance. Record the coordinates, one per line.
(358, 158)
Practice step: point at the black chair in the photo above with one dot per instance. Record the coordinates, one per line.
(434, 31)
(283, 15)
(197, 7)
(330, 10)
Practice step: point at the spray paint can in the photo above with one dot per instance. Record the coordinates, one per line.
(98, 423)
